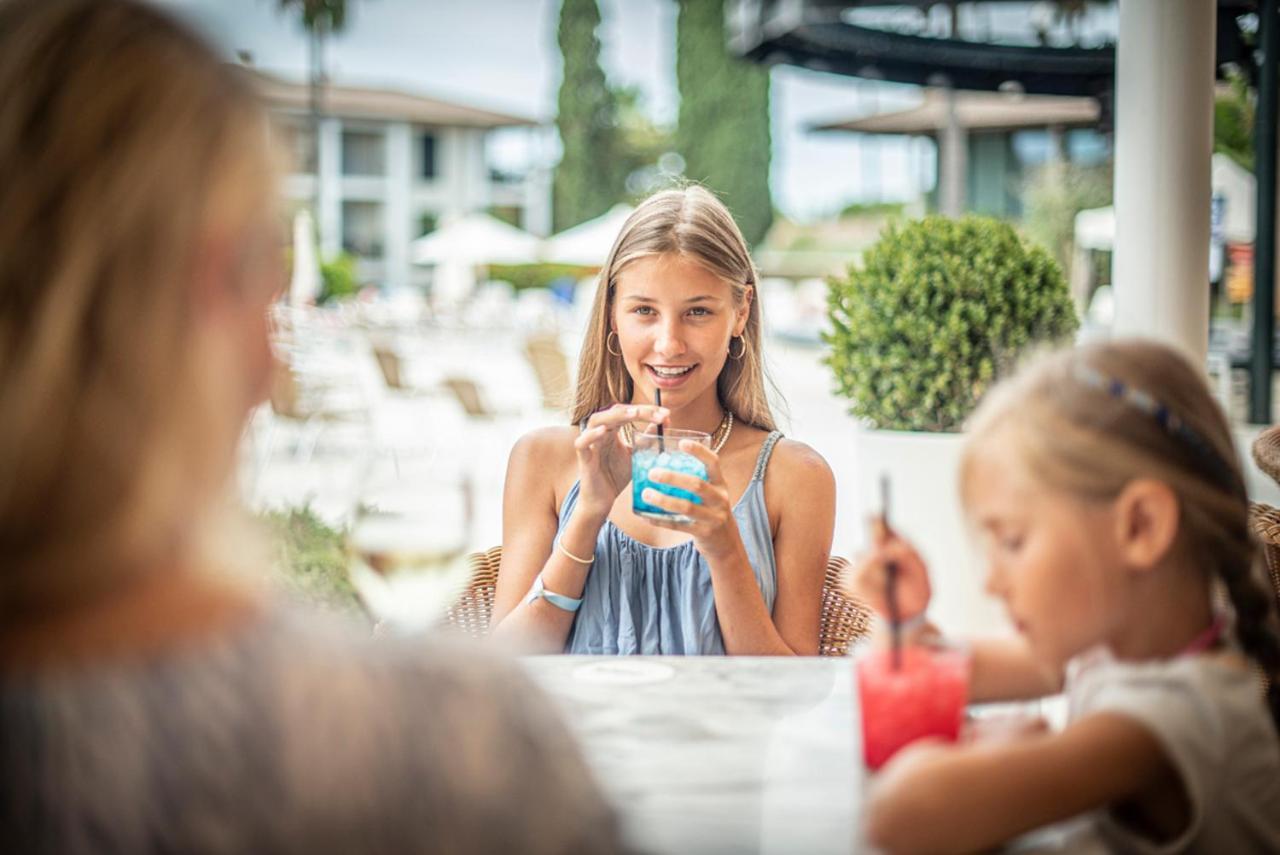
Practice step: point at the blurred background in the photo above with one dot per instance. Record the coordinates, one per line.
(456, 173)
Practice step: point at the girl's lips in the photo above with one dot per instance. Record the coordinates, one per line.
(664, 382)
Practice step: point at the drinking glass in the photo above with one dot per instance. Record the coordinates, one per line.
(409, 537)
(651, 451)
(920, 694)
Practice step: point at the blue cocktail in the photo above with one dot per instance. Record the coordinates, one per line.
(652, 452)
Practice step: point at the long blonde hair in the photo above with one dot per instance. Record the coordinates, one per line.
(1088, 421)
(124, 143)
(691, 222)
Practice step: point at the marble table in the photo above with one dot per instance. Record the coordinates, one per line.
(719, 754)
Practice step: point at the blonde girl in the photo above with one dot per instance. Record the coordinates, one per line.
(1109, 501)
(147, 702)
(677, 309)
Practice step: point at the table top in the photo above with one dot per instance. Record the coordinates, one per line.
(719, 754)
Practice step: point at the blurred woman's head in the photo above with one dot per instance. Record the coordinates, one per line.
(138, 254)
(678, 246)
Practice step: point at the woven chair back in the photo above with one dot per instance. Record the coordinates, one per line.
(844, 619)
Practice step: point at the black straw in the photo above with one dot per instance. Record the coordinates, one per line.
(662, 437)
(891, 580)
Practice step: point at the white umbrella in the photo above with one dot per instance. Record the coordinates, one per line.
(304, 284)
(1096, 228)
(588, 243)
(475, 239)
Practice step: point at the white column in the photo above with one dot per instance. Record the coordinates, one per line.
(953, 159)
(330, 177)
(395, 216)
(1164, 139)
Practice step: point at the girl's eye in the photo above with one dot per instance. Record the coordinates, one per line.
(699, 312)
(1011, 544)
(643, 310)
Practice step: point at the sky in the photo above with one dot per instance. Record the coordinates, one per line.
(502, 54)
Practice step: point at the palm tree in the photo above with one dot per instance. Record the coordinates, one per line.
(320, 18)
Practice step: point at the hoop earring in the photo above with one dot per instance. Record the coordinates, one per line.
(741, 351)
(614, 334)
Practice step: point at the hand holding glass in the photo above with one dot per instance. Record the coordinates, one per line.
(652, 451)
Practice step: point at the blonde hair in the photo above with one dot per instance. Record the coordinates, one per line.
(124, 144)
(1088, 421)
(694, 223)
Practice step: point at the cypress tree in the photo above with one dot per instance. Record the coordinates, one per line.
(590, 177)
(723, 131)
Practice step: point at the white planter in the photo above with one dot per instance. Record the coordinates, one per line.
(923, 470)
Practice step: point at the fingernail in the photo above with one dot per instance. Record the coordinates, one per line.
(632, 412)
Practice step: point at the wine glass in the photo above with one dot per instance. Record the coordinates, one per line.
(409, 536)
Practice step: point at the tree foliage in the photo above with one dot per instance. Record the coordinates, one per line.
(591, 175)
(1233, 123)
(1054, 194)
(723, 131)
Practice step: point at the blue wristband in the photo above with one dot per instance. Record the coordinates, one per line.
(560, 601)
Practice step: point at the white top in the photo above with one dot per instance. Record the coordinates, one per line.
(1209, 714)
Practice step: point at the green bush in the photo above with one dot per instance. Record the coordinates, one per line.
(337, 279)
(522, 276)
(938, 308)
(310, 558)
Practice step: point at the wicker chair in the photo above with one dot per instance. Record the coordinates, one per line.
(844, 620)
(1264, 519)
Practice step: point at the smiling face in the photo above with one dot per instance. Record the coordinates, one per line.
(1049, 555)
(674, 320)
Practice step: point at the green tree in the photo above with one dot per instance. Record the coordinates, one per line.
(723, 131)
(643, 143)
(1233, 122)
(591, 175)
(1053, 195)
(320, 18)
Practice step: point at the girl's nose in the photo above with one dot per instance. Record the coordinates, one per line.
(669, 342)
(997, 583)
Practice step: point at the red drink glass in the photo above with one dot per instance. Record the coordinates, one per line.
(924, 697)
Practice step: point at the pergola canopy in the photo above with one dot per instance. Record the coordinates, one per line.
(878, 40)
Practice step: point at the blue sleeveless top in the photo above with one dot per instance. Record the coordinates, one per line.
(650, 600)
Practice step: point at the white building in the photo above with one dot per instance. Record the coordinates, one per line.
(393, 165)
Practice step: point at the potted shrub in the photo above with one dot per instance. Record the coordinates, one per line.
(936, 312)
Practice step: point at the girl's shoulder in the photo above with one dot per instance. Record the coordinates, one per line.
(545, 449)
(795, 463)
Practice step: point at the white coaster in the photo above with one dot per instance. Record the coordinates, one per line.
(624, 672)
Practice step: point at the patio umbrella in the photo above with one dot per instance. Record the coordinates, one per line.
(587, 244)
(475, 239)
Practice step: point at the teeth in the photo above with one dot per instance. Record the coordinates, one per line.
(671, 372)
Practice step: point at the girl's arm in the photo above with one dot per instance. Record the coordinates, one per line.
(1002, 669)
(1005, 670)
(939, 799)
(529, 522)
(802, 544)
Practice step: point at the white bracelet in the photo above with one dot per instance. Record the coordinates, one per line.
(572, 557)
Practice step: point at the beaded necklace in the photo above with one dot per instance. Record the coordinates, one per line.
(722, 431)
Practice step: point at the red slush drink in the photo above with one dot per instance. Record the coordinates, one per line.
(924, 697)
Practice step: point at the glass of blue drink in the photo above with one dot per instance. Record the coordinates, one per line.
(651, 451)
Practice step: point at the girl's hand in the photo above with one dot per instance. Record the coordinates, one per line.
(714, 529)
(868, 579)
(604, 462)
